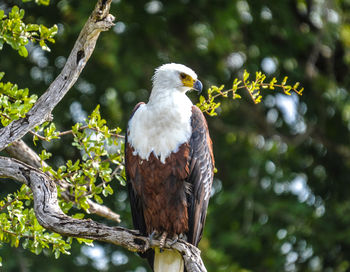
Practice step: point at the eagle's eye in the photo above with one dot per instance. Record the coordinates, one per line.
(182, 75)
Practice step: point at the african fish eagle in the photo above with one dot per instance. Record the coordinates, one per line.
(169, 165)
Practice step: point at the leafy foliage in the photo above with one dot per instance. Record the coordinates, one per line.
(87, 178)
(101, 160)
(14, 102)
(17, 34)
(39, 2)
(18, 224)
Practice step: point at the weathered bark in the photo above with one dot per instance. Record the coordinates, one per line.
(99, 20)
(22, 152)
(51, 217)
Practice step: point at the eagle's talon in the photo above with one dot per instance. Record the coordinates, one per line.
(154, 234)
(175, 239)
(146, 247)
(162, 239)
(183, 236)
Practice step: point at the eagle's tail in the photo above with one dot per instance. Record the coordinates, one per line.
(168, 261)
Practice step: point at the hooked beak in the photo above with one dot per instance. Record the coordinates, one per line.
(198, 86)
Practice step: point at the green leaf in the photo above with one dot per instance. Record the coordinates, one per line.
(32, 27)
(87, 242)
(78, 216)
(296, 85)
(44, 46)
(284, 81)
(107, 191)
(245, 75)
(23, 51)
(121, 180)
(84, 204)
(17, 34)
(98, 199)
(57, 254)
(44, 2)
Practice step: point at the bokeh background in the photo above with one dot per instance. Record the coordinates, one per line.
(281, 196)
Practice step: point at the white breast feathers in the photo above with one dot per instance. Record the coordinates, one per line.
(161, 126)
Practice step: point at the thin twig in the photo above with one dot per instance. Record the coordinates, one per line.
(5, 116)
(37, 135)
(15, 234)
(87, 127)
(67, 132)
(7, 204)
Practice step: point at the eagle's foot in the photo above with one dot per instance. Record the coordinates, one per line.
(183, 236)
(154, 234)
(162, 240)
(175, 239)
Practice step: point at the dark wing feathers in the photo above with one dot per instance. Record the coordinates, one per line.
(201, 175)
(135, 202)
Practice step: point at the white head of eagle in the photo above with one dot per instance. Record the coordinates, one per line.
(164, 123)
(175, 76)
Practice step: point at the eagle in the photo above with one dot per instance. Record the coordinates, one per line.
(169, 165)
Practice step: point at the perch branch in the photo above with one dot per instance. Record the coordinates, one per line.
(22, 152)
(51, 217)
(99, 20)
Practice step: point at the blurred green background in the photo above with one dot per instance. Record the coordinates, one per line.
(281, 196)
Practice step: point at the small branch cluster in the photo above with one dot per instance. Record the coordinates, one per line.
(253, 88)
(17, 34)
(102, 160)
(14, 102)
(22, 152)
(21, 225)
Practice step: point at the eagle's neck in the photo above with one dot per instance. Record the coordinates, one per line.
(161, 125)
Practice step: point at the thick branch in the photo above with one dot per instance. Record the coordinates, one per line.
(98, 21)
(51, 217)
(22, 152)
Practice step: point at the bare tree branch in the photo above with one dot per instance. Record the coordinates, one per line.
(51, 217)
(99, 20)
(22, 152)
